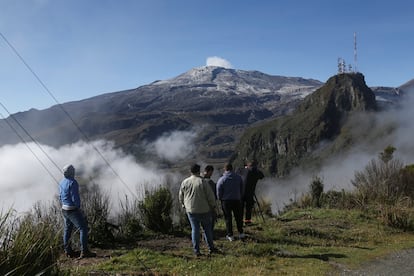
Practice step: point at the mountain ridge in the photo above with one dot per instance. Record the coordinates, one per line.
(225, 102)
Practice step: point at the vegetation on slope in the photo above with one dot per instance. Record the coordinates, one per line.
(283, 143)
(323, 232)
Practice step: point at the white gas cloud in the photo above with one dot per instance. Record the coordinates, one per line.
(218, 61)
(25, 181)
(174, 146)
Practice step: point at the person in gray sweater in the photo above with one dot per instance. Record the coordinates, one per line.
(229, 192)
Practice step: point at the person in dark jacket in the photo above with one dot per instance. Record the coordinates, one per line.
(72, 214)
(229, 192)
(251, 176)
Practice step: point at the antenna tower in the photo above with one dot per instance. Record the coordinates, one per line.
(355, 54)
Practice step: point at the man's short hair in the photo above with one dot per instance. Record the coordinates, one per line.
(228, 167)
(252, 163)
(209, 168)
(195, 168)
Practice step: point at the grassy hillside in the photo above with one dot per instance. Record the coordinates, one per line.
(300, 242)
(322, 232)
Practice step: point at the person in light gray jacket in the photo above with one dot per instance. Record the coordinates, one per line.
(198, 199)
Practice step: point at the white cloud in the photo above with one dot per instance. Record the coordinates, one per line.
(218, 61)
(174, 146)
(25, 181)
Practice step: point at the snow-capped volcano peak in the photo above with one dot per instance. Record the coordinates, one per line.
(239, 81)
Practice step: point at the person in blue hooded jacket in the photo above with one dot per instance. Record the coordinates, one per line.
(229, 192)
(72, 214)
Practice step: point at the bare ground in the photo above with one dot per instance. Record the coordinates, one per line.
(400, 263)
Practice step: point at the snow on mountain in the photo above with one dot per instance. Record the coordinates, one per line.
(226, 80)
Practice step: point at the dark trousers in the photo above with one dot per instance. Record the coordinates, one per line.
(230, 208)
(248, 203)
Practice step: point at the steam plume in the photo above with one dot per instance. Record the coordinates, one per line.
(218, 61)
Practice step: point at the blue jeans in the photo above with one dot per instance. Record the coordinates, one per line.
(75, 218)
(206, 222)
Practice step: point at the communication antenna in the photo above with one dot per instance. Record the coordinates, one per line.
(355, 53)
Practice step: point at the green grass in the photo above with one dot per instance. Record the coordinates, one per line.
(300, 242)
(27, 246)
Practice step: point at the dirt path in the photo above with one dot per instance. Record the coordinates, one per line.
(399, 264)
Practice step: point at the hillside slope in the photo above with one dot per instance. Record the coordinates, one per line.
(214, 102)
(285, 142)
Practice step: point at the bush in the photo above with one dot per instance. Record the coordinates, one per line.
(407, 181)
(303, 202)
(129, 221)
(400, 215)
(95, 205)
(316, 187)
(338, 200)
(265, 207)
(29, 245)
(156, 210)
(380, 180)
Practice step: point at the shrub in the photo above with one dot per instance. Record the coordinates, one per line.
(407, 180)
(316, 187)
(265, 207)
(338, 200)
(156, 210)
(95, 205)
(50, 214)
(303, 202)
(129, 221)
(387, 154)
(400, 215)
(380, 180)
(29, 246)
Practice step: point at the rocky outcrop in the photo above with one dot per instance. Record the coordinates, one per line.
(286, 142)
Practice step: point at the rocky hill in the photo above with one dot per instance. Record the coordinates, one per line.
(216, 103)
(286, 142)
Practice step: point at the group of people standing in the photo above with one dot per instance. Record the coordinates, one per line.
(235, 191)
(198, 195)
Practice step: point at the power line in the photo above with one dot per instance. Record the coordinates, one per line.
(65, 112)
(30, 136)
(30, 149)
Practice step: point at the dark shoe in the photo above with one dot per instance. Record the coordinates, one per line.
(70, 254)
(87, 254)
(198, 254)
(214, 251)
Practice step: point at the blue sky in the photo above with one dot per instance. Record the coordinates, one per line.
(83, 48)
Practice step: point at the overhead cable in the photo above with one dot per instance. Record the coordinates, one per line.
(27, 145)
(65, 112)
